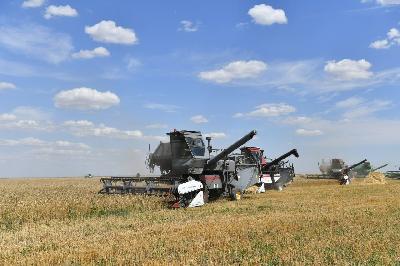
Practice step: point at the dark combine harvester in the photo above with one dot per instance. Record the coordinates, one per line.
(191, 176)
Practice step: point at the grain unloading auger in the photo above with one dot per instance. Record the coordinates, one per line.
(277, 173)
(190, 175)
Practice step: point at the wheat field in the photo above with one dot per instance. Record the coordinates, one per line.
(65, 221)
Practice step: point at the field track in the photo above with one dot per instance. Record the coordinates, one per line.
(65, 221)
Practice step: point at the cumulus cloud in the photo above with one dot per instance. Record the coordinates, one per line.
(85, 99)
(215, 135)
(61, 11)
(32, 3)
(88, 54)
(268, 110)
(380, 44)
(6, 86)
(234, 70)
(108, 32)
(393, 34)
(26, 118)
(393, 38)
(309, 77)
(348, 69)
(308, 133)
(188, 26)
(36, 41)
(266, 15)
(199, 119)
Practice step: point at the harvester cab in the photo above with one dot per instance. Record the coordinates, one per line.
(187, 152)
(253, 155)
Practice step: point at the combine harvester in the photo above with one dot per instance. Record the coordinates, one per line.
(364, 170)
(393, 174)
(336, 169)
(191, 176)
(277, 173)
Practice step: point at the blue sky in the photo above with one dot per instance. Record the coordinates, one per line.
(85, 87)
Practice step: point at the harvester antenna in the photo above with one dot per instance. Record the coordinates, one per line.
(209, 147)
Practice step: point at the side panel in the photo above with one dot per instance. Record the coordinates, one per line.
(247, 176)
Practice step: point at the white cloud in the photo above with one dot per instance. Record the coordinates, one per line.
(83, 128)
(108, 32)
(24, 142)
(42, 147)
(350, 102)
(7, 117)
(13, 124)
(36, 41)
(62, 11)
(169, 108)
(188, 26)
(393, 38)
(367, 108)
(308, 133)
(235, 70)
(215, 135)
(380, 44)
(266, 15)
(78, 123)
(88, 54)
(356, 107)
(268, 110)
(199, 119)
(132, 63)
(31, 113)
(85, 99)
(37, 142)
(26, 118)
(348, 69)
(32, 3)
(360, 132)
(6, 86)
(308, 77)
(297, 120)
(388, 2)
(241, 25)
(393, 34)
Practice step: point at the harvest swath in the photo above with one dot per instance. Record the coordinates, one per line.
(48, 221)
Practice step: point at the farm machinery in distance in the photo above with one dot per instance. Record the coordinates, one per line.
(336, 169)
(193, 177)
